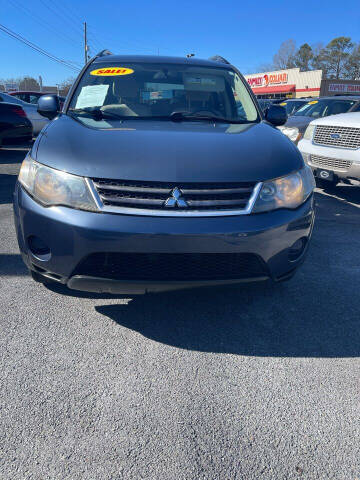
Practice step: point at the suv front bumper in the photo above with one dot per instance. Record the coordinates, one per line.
(73, 235)
(307, 149)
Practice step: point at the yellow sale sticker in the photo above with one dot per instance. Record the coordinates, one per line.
(283, 104)
(107, 72)
(313, 102)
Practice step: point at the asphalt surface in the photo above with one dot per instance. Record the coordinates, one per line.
(249, 382)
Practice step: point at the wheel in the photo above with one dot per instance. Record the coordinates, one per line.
(40, 278)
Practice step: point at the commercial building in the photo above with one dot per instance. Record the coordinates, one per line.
(289, 83)
(338, 87)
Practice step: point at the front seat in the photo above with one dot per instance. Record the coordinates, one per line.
(124, 99)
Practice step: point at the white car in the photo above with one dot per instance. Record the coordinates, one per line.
(331, 146)
(37, 120)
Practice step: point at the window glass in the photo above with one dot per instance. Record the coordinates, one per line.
(323, 108)
(292, 106)
(357, 108)
(156, 90)
(10, 99)
(33, 99)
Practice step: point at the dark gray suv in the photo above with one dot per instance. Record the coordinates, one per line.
(162, 173)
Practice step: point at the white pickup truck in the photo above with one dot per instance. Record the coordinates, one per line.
(331, 146)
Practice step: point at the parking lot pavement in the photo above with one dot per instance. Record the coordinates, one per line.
(247, 382)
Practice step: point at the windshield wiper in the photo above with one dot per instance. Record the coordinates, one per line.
(96, 113)
(179, 116)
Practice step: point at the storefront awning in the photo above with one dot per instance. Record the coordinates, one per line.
(274, 89)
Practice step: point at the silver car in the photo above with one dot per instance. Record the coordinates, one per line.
(37, 120)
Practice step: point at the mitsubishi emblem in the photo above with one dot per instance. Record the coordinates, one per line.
(176, 199)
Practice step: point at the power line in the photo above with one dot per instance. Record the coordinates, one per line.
(65, 17)
(65, 11)
(36, 48)
(133, 45)
(72, 13)
(95, 40)
(17, 5)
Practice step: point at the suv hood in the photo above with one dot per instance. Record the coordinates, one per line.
(351, 119)
(166, 151)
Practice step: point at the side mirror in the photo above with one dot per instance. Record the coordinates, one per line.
(48, 106)
(276, 115)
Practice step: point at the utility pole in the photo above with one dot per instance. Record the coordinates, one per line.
(85, 43)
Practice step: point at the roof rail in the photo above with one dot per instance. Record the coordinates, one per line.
(219, 58)
(103, 53)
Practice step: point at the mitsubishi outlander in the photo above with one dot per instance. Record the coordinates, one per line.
(162, 173)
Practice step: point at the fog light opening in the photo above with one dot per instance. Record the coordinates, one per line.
(297, 249)
(38, 248)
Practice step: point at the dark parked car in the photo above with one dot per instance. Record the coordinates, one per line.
(321, 107)
(162, 173)
(277, 100)
(33, 97)
(15, 127)
(293, 104)
(37, 120)
(264, 103)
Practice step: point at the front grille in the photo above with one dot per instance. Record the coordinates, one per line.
(191, 197)
(331, 163)
(172, 266)
(346, 137)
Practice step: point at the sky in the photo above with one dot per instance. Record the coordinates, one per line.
(247, 33)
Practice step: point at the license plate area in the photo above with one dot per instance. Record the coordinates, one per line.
(324, 174)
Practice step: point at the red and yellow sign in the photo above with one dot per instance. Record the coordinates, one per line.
(266, 80)
(112, 71)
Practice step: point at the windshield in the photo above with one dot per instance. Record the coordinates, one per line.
(292, 106)
(323, 108)
(144, 90)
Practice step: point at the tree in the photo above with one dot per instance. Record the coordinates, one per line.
(318, 61)
(4, 81)
(265, 67)
(303, 57)
(29, 83)
(352, 66)
(336, 55)
(66, 85)
(284, 58)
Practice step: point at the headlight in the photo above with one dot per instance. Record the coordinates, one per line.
(285, 192)
(53, 187)
(309, 132)
(291, 132)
